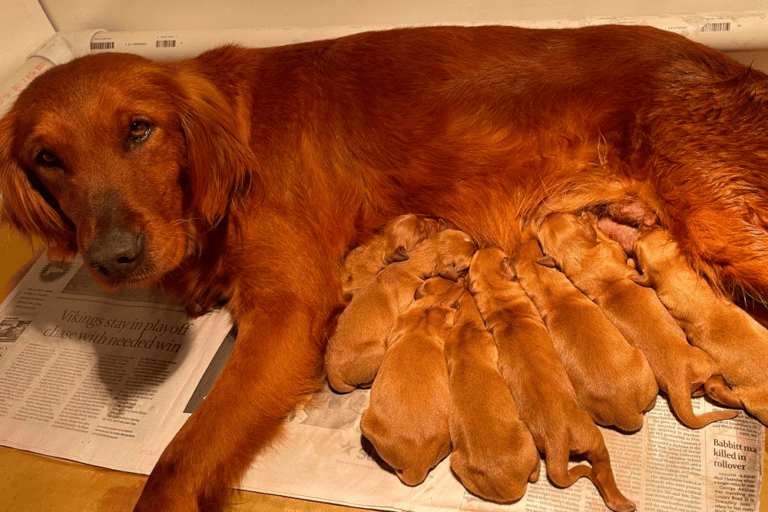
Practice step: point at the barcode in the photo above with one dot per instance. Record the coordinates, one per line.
(103, 46)
(724, 26)
(165, 44)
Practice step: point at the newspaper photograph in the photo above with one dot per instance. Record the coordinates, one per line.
(108, 379)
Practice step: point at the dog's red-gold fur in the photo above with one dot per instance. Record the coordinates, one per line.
(246, 174)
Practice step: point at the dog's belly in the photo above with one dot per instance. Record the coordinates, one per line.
(495, 206)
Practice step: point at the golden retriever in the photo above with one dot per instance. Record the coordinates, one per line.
(493, 455)
(598, 266)
(356, 348)
(612, 380)
(736, 341)
(538, 380)
(246, 175)
(407, 420)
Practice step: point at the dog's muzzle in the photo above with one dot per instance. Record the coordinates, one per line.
(117, 254)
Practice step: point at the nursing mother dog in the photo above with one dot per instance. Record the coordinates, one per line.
(245, 175)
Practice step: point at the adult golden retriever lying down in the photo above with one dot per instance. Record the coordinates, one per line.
(247, 174)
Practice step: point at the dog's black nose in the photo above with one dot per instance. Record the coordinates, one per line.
(116, 254)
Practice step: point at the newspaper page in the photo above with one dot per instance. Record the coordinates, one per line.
(97, 377)
(664, 467)
(108, 379)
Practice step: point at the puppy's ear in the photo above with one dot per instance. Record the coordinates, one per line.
(450, 272)
(27, 206)
(456, 305)
(547, 261)
(222, 167)
(397, 255)
(591, 232)
(643, 280)
(508, 270)
(420, 291)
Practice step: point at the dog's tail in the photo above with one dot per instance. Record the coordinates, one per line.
(680, 401)
(601, 475)
(718, 390)
(558, 452)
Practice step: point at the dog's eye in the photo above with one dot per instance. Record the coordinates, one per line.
(47, 159)
(139, 131)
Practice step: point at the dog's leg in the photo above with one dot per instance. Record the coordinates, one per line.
(276, 363)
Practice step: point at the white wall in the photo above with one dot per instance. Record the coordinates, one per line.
(23, 27)
(196, 14)
(24, 24)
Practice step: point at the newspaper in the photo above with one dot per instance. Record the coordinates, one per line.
(108, 379)
(664, 467)
(99, 378)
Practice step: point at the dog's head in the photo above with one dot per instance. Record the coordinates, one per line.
(403, 233)
(489, 264)
(657, 254)
(439, 291)
(123, 160)
(568, 240)
(436, 297)
(453, 251)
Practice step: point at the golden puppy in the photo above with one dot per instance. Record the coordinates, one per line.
(407, 420)
(736, 341)
(612, 380)
(598, 266)
(392, 243)
(356, 348)
(493, 455)
(537, 378)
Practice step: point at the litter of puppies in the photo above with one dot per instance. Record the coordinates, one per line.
(495, 359)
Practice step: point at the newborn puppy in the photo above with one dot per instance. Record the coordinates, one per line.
(392, 243)
(537, 378)
(612, 380)
(407, 420)
(355, 350)
(736, 341)
(598, 266)
(493, 454)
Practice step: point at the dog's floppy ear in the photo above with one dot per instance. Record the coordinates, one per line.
(591, 232)
(27, 206)
(547, 261)
(399, 254)
(421, 291)
(456, 305)
(508, 270)
(222, 167)
(643, 280)
(451, 272)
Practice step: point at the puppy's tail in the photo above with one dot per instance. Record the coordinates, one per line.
(599, 472)
(680, 401)
(557, 465)
(567, 478)
(602, 477)
(718, 390)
